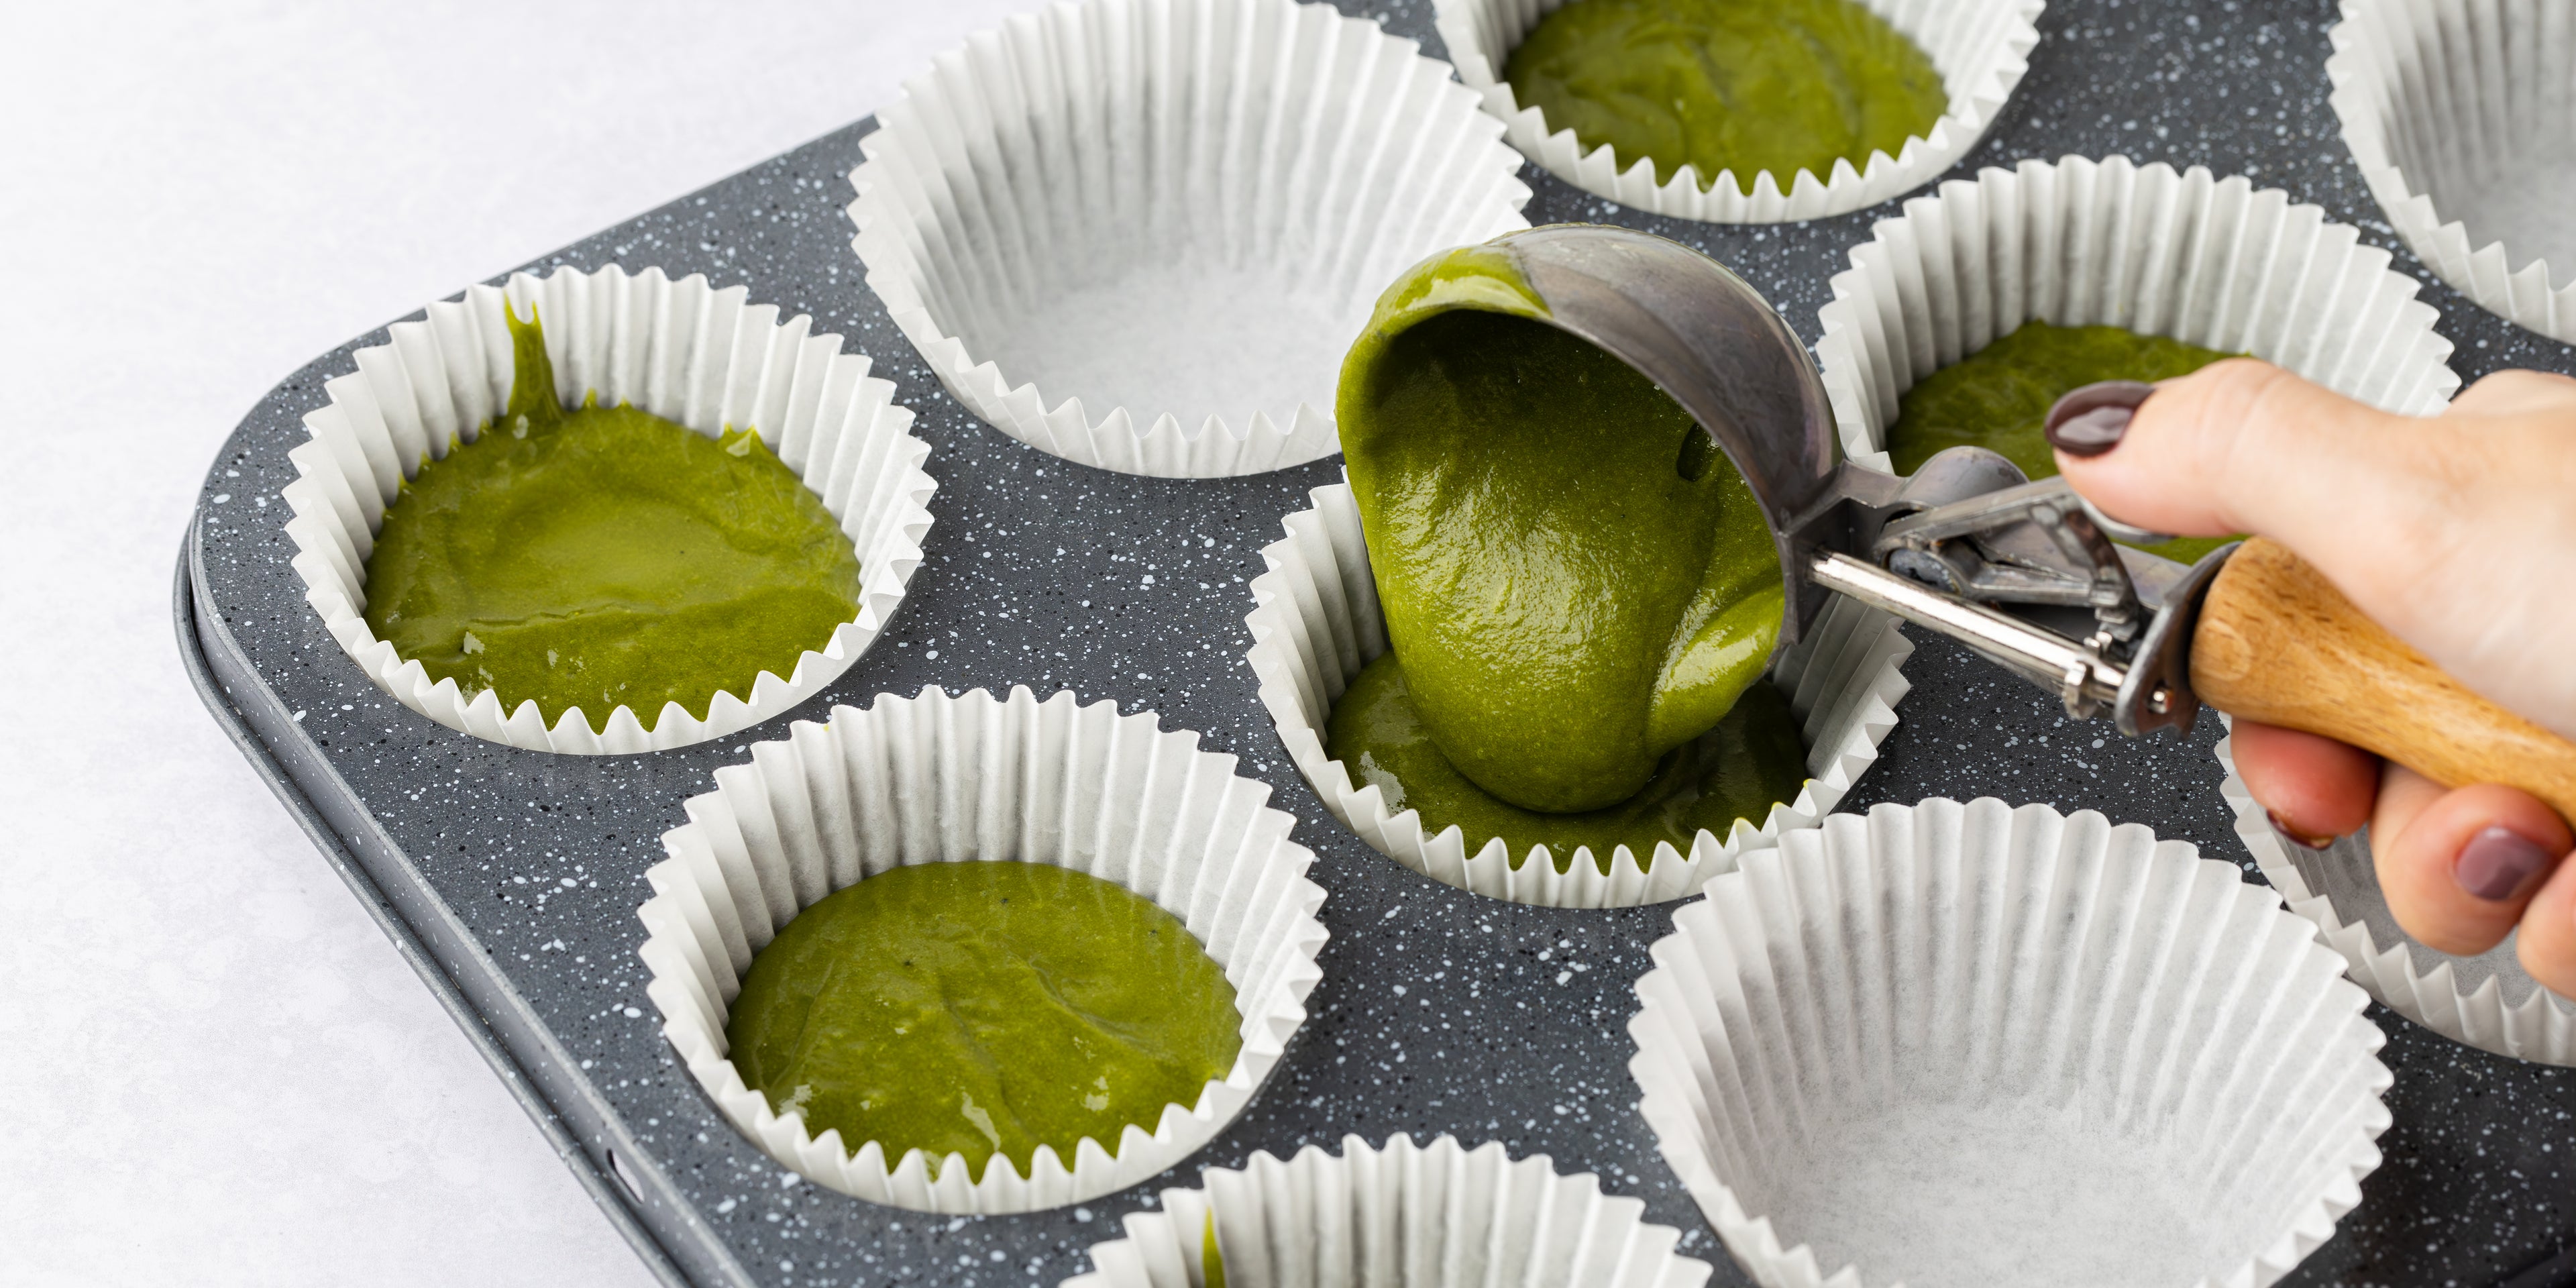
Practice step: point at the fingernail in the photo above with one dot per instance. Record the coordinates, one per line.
(2496, 862)
(2291, 834)
(2090, 421)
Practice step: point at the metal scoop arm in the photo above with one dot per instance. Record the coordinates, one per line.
(2105, 627)
(2250, 629)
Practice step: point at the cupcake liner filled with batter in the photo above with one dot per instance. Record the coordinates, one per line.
(606, 512)
(2487, 1001)
(1317, 627)
(1962, 320)
(1743, 111)
(1555, 610)
(1427, 1216)
(2462, 117)
(1972, 1044)
(1138, 233)
(980, 955)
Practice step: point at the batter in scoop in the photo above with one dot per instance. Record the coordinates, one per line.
(1575, 583)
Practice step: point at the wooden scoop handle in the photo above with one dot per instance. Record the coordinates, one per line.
(2277, 643)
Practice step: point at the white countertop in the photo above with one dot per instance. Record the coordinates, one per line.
(213, 1067)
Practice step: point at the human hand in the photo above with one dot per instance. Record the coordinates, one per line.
(2457, 534)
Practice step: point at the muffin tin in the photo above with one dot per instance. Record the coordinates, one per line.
(511, 879)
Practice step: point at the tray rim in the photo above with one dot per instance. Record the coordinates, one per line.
(607, 1184)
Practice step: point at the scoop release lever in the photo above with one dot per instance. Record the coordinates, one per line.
(2022, 571)
(2251, 629)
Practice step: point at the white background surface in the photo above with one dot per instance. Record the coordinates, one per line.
(213, 1068)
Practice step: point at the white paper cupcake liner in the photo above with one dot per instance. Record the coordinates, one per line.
(1139, 234)
(1980, 46)
(2488, 1001)
(2457, 113)
(1436, 1216)
(936, 779)
(681, 350)
(2211, 262)
(1315, 625)
(1975, 1044)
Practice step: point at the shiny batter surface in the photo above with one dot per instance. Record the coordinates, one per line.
(594, 557)
(983, 1008)
(1999, 396)
(1720, 85)
(1576, 580)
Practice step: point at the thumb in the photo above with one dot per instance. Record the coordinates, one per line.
(2242, 446)
(2444, 530)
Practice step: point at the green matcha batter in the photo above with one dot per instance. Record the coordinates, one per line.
(602, 556)
(1999, 396)
(1211, 1261)
(1740, 85)
(1752, 759)
(1575, 579)
(983, 1008)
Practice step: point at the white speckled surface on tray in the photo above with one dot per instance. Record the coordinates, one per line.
(1507, 1022)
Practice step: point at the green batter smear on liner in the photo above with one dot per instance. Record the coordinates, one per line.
(1729, 85)
(1574, 580)
(1211, 1261)
(983, 1009)
(1999, 396)
(596, 556)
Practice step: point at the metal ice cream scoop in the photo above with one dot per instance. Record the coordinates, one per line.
(2024, 572)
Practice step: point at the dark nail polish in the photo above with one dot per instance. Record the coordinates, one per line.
(2091, 420)
(2496, 862)
(2292, 834)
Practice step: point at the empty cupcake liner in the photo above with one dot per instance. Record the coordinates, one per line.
(1315, 625)
(1435, 1216)
(2487, 1001)
(683, 351)
(2459, 113)
(936, 779)
(1981, 48)
(2213, 262)
(1968, 1044)
(1139, 234)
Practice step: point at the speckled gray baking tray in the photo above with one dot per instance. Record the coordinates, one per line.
(511, 878)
